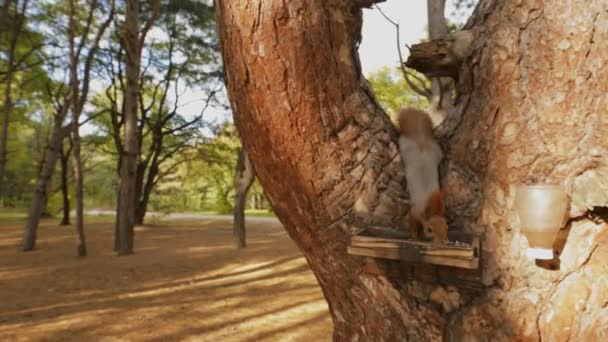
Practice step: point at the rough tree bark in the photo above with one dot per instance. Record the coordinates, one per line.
(132, 41)
(126, 194)
(326, 156)
(64, 157)
(243, 179)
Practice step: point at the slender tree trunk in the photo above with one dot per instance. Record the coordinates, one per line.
(64, 159)
(327, 158)
(140, 212)
(148, 186)
(78, 191)
(7, 104)
(243, 179)
(75, 130)
(139, 189)
(126, 200)
(41, 191)
(116, 231)
(441, 88)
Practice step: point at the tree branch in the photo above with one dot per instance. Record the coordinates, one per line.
(441, 57)
(366, 3)
(420, 90)
(150, 22)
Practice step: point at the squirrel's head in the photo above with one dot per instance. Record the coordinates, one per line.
(436, 229)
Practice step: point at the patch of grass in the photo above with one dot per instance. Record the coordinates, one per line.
(259, 213)
(13, 213)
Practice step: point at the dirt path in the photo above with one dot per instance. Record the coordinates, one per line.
(186, 282)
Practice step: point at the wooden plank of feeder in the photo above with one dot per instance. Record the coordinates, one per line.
(418, 251)
(424, 247)
(422, 244)
(463, 237)
(412, 255)
(431, 250)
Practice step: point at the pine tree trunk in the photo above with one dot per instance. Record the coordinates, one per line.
(139, 189)
(140, 213)
(40, 196)
(126, 201)
(78, 192)
(243, 179)
(65, 194)
(147, 187)
(7, 106)
(327, 159)
(75, 131)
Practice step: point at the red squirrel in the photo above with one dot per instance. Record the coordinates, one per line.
(421, 155)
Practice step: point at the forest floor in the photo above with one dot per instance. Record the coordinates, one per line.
(185, 282)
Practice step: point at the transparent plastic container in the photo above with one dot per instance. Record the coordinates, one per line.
(542, 211)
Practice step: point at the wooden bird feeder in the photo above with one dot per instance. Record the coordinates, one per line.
(462, 250)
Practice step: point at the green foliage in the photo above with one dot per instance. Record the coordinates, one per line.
(205, 181)
(393, 92)
(181, 52)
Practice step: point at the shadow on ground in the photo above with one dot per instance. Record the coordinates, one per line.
(185, 282)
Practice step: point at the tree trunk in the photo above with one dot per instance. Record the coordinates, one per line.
(441, 88)
(8, 102)
(139, 189)
(78, 191)
(147, 187)
(64, 159)
(126, 200)
(243, 179)
(40, 196)
(75, 131)
(327, 159)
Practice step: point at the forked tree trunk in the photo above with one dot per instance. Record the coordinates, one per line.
(327, 159)
(243, 179)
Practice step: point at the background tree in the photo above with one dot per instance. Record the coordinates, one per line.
(84, 42)
(327, 158)
(23, 58)
(132, 40)
(13, 27)
(243, 179)
(180, 57)
(64, 158)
